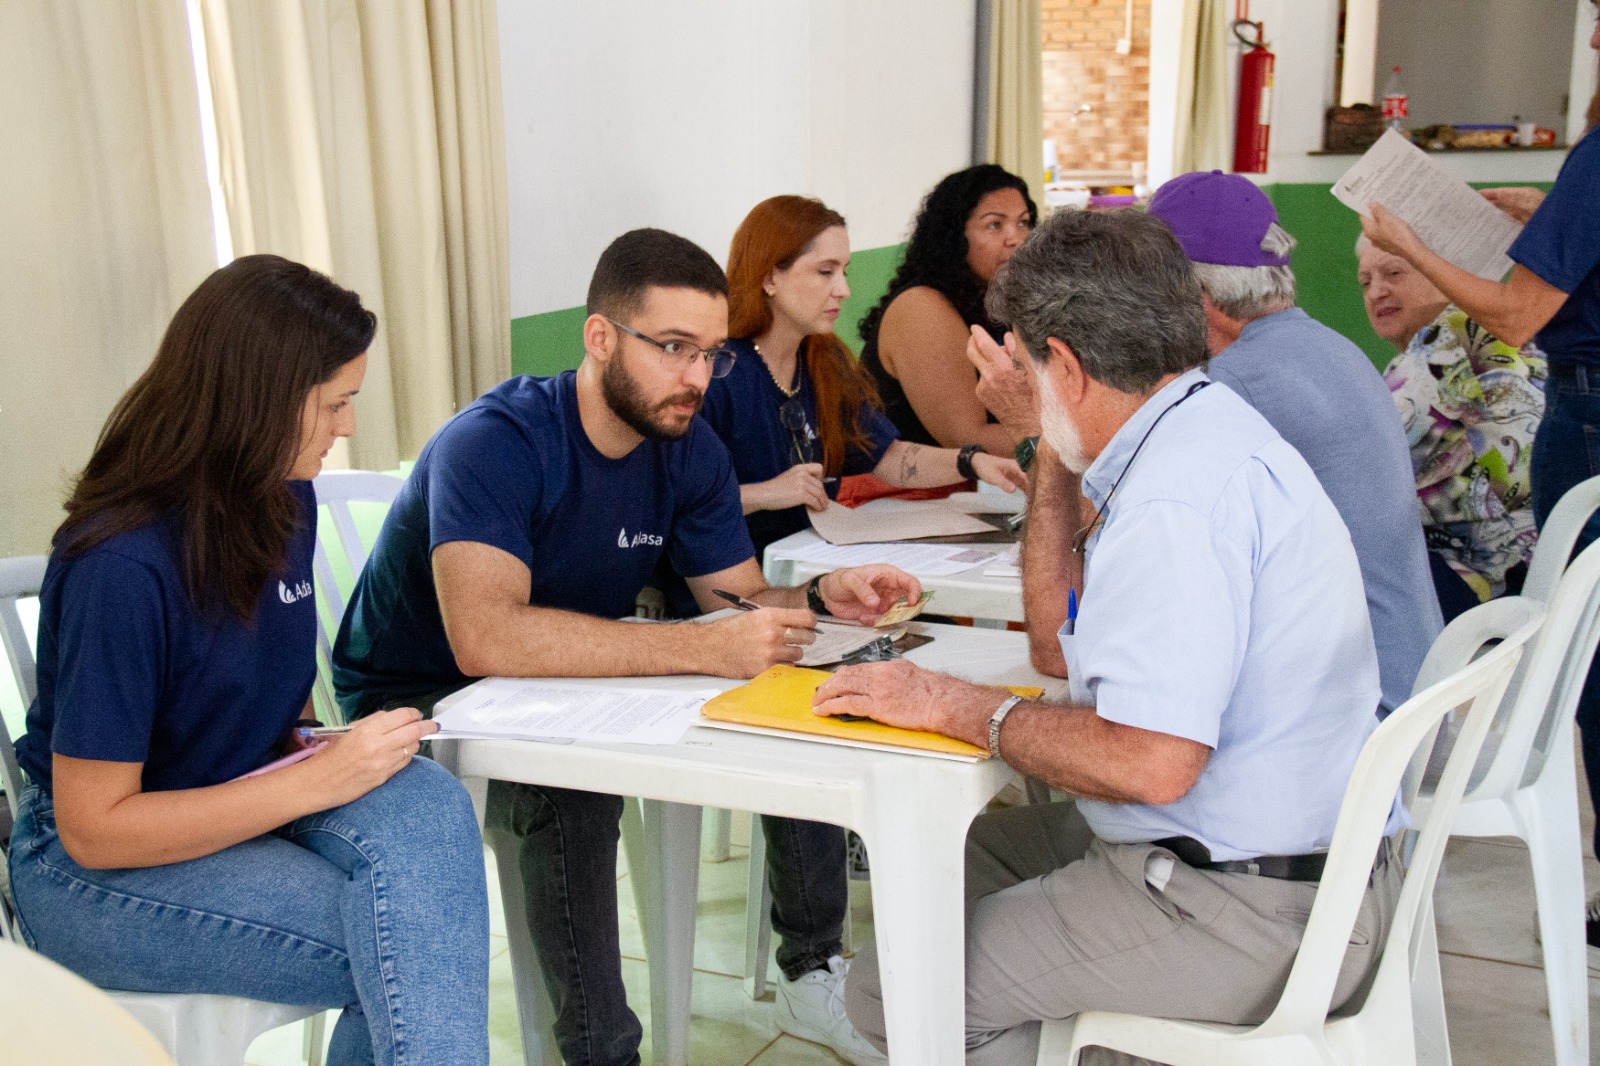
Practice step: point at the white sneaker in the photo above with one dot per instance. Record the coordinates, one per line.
(812, 1008)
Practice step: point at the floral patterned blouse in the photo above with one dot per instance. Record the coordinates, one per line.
(1471, 405)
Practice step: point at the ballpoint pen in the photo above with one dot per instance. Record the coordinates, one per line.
(1072, 611)
(738, 601)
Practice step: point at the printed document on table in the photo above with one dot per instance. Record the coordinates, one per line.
(542, 709)
(835, 643)
(923, 560)
(1008, 564)
(1447, 214)
(890, 520)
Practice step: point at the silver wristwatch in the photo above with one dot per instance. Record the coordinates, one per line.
(995, 719)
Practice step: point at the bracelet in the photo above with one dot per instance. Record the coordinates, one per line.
(995, 719)
(814, 596)
(1025, 451)
(964, 462)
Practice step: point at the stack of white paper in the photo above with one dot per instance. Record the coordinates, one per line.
(923, 560)
(510, 708)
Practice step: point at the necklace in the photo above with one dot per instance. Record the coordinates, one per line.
(788, 391)
(1083, 535)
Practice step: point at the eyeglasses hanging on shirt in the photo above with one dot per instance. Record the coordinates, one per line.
(1081, 538)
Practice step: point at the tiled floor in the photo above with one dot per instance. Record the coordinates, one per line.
(1494, 986)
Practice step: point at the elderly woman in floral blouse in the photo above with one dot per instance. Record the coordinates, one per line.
(1471, 406)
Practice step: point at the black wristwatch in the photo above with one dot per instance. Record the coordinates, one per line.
(814, 596)
(1024, 453)
(964, 461)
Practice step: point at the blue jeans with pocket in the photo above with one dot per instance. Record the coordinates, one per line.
(1565, 452)
(377, 908)
(567, 847)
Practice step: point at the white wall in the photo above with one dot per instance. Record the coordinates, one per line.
(1303, 35)
(684, 114)
(1524, 69)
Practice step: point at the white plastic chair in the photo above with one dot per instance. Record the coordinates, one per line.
(336, 490)
(196, 1030)
(1525, 782)
(1401, 1021)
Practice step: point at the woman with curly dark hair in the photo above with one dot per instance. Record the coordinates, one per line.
(914, 342)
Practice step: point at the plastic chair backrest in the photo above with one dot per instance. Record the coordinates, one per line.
(1545, 689)
(336, 491)
(20, 578)
(1399, 742)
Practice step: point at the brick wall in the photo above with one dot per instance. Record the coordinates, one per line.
(1096, 102)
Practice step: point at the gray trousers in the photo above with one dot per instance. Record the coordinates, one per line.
(1059, 922)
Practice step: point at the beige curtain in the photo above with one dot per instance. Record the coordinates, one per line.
(1016, 91)
(364, 137)
(106, 223)
(1203, 139)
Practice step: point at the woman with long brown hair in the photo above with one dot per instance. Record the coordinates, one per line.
(176, 655)
(797, 411)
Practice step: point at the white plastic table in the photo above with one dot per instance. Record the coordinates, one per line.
(969, 593)
(913, 811)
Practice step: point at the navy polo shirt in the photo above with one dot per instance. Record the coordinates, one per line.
(516, 471)
(130, 672)
(1561, 244)
(744, 410)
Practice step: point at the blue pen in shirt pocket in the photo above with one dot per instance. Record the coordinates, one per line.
(1072, 612)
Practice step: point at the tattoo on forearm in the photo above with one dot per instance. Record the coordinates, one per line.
(908, 463)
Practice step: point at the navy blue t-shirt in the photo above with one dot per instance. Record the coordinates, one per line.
(1561, 244)
(129, 671)
(516, 471)
(745, 410)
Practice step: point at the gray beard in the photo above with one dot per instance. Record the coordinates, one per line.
(1060, 432)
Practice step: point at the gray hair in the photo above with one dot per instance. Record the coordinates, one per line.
(1112, 286)
(1247, 293)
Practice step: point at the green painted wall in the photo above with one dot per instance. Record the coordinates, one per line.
(552, 342)
(1325, 261)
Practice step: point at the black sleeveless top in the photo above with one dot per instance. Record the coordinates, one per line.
(895, 403)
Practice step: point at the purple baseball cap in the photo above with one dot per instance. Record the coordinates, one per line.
(1218, 218)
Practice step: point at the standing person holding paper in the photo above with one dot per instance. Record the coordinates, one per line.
(528, 526)
(177, 633)
(797, 412)
(1552, 296)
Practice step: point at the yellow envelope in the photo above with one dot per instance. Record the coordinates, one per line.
(779, 699)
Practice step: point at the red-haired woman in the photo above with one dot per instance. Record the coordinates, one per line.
(797, 411)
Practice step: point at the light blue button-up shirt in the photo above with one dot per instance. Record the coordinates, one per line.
(1223, 603)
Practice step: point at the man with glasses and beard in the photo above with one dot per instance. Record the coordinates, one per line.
(528, 526)
(1222, 668)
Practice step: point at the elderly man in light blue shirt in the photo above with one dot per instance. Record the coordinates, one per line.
(1222, 667)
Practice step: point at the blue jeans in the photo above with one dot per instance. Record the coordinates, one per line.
(377, 907)
(567, 843)
(1565, 452)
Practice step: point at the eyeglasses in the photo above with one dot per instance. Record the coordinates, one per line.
(802, 438)
(681, 355)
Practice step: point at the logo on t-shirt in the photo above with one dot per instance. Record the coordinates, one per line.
(300, 591)
(638, 538)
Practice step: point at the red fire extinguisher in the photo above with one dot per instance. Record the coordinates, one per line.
(1255, 102)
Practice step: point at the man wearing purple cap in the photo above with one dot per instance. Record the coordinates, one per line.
(1320, 392)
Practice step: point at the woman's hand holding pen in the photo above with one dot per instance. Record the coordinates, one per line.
(372, 751)
(799, 485)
